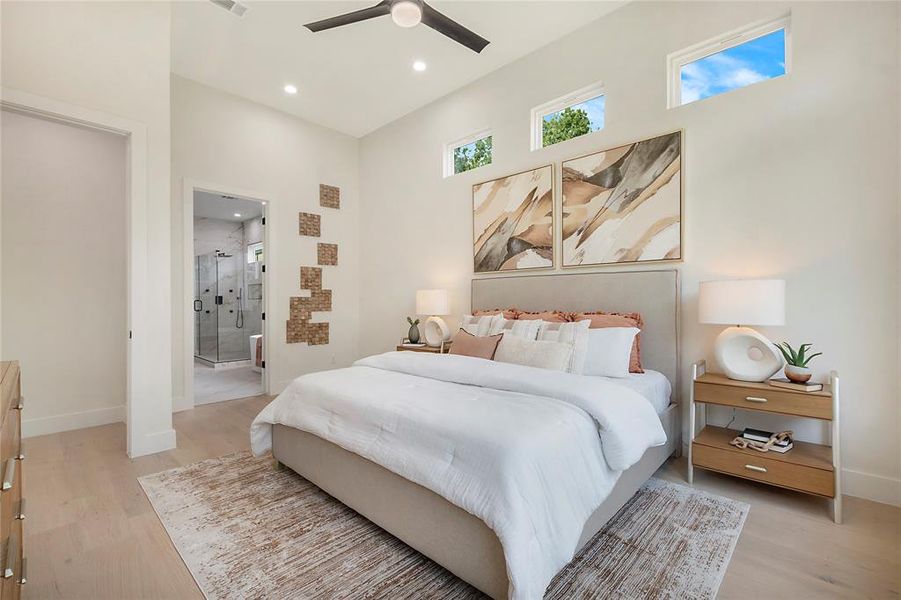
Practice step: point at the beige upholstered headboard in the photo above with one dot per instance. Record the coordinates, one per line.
(654, 294)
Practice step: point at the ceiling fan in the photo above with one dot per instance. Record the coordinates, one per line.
(407, 13)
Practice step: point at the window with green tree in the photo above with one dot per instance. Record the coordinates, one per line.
(568, 117)
(468, 153)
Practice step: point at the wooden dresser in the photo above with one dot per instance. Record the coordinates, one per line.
(12, 500)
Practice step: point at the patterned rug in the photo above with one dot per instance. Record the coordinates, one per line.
(246, 530)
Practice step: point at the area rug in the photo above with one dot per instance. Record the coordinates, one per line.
(245, 530)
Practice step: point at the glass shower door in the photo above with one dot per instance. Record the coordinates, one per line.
(206, 330)
(234, 343)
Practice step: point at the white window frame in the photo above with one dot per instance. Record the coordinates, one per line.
(448, 150)
(579, 96)
(676, 60)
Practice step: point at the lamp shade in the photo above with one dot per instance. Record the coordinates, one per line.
(432, 302)
(742, 302)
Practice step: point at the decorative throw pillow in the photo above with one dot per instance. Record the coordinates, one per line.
(481, 325)
(534, 353)
(466, 344)
(524, 329)
(550, 316)
(604, 319)
(509, 313)
(570, 333)
(609, 351)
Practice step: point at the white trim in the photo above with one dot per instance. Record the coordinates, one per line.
(676, 60)
(71, 421)
(139, 373)
(447, 151)
(189, 186)
(878, 488)
(589, 92)
(151, 443)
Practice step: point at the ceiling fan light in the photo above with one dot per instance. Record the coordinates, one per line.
(406, 13)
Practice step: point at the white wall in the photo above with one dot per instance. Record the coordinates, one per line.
(63, 184)
(792, 178)
(112, 57)
(239, 146)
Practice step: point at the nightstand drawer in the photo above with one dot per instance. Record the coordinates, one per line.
(765, 398)
(760, 468)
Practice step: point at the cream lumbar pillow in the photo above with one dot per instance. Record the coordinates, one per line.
(481, 326)
(534, 353)
(570, 333)
(609, 350)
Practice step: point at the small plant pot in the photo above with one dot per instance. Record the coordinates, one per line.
(798, 374)
(413, 334)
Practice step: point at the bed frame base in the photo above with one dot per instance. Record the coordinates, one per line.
(447, 534)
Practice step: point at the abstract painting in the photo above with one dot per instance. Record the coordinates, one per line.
(513, 222)
(624, 205)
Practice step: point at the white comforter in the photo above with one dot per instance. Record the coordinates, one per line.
(531, 452)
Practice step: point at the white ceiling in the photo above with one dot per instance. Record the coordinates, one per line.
(217, 206)
(358, 77)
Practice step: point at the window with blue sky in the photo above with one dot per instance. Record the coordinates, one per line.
(755, 60)
(572, 121)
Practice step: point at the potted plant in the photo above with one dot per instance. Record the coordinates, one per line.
(413, 334)
(796, 368)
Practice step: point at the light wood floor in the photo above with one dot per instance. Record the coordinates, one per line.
(91, 533)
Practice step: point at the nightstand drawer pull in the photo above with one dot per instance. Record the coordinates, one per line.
(9, 474)
(755, 399)
(23, 579)
(756, 468)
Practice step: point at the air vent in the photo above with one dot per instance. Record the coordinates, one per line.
(235, 8)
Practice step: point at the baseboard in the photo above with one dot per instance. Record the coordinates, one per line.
(179, 404)
(70, 421)
(877, 488)
(152, 443)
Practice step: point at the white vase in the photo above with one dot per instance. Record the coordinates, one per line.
(797, 374)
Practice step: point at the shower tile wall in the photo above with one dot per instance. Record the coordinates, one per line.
(219, 333)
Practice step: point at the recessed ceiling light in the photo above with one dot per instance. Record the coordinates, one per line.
(237, 214)
(419, 65)
(290, 89)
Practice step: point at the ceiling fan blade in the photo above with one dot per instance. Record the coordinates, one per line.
(379, 10)
(452, 29)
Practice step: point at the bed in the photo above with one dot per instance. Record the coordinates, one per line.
(440, 529)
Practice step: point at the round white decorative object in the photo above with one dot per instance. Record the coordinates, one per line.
(435, 331)
(745, 355)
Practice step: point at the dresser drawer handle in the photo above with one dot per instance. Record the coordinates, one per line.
(20, 514)
(755, 399)
(23, 579)
(9, 474)
(21, 404)
(12, 551)
(756, 468)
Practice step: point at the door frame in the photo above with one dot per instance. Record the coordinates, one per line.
(139, 392)
(189, 186)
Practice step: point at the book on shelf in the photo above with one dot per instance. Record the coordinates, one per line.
(782, 382)
(781, 449)
(412, 345)
(759, 435)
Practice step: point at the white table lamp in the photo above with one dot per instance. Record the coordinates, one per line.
(741, 352)
(433, 303)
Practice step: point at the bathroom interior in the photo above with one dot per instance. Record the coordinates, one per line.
(228, 297)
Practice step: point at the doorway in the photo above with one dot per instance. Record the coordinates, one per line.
(228, 296)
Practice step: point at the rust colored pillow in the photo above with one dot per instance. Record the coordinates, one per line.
(551, 316)
(466, 344)
(509, 313)
(603, 319)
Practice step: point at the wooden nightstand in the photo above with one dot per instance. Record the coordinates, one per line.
(809, 468)
(443, 349)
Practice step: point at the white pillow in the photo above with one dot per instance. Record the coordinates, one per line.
(480, 326)
(571, 333)
(609, 349)
(534, 353)
(527, 328)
